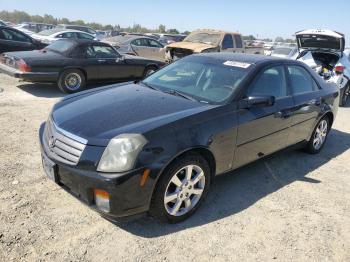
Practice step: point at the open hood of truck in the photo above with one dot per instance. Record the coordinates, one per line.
(327, 40)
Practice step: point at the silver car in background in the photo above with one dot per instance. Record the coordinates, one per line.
(138, 45)
(284, 51)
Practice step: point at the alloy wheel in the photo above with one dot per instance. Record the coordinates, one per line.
(320, 134)
(184, 190)
(73, 81)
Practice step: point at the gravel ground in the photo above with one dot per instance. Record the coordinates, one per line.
(290, 207)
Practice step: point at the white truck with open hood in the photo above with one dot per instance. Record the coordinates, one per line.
(323, 50)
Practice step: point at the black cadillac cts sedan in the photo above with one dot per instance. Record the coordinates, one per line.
(155, 146)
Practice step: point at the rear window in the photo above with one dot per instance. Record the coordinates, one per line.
(319, 41)
(60, 46)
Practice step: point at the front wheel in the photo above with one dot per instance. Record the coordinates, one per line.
(344, 95)
(71, 81)
(319, 136)
(181, 189)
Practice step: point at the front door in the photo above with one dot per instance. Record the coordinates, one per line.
(264, 130)
(109, 62)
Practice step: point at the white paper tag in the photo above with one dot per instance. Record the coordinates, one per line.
(237, 64)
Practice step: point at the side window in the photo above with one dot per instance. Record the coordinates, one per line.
(153, 43)
(15, 36)
(90, 52)
(69, 35)
(238, 40)
(301, 81)
(104, 51)
(227, 42)
(137, 42)
(84, 36)
(272, 82)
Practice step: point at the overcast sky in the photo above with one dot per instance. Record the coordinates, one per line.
(268, 18)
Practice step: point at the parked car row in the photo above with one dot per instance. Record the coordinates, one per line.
(72, 63)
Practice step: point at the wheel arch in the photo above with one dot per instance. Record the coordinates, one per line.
(75, 68)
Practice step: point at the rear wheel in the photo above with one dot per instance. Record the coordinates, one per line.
(344, 95)
(319, 136)
(71, 81)
(181, 189)
(149, 71)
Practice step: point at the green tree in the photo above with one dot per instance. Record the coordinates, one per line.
(162, 28)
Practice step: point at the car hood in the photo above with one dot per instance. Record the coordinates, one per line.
(100, 115)
(195, 47)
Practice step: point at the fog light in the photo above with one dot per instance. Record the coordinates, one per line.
(101, 200)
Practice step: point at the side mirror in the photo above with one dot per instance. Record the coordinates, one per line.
(257, 101)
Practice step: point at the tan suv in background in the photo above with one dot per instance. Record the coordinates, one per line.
(207, 40)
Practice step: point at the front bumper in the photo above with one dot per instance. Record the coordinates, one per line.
(50, 77)
(127, 198)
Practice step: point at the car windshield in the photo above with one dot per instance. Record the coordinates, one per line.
(201, 78)
(282, 51)
(60, 46)
(50, 31)
(206, 38)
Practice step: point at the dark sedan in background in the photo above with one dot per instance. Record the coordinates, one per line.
(14, 40)
(156, 145)
(72, 63)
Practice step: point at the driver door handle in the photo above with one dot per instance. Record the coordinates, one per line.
(101, 60)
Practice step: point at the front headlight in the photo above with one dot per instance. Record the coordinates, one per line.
(121, 153)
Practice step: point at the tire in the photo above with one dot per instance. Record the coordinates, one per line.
(183, 201)
(71, 81)
(314, 147)
(344, 95)
(149, 70)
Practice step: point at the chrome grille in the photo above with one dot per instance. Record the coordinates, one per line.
(61, 145)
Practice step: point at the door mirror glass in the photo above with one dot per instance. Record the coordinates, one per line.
(257, 101)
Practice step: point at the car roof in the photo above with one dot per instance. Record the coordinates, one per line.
(126, 38)
(244, 58)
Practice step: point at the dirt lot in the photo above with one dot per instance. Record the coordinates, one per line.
(289, 207)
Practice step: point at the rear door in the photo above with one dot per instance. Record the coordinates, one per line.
(264, 130)
(307, 103)
(157, 50)
(141, 48)
(13, 40)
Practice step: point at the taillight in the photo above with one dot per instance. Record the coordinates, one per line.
(22, 66)
(339, 69)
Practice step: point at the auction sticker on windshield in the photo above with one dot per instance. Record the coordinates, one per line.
(237, 64)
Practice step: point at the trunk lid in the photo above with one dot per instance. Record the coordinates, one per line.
(326, 40)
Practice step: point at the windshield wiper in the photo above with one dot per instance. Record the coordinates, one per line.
(177, 93)
(148, 85)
